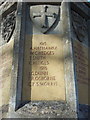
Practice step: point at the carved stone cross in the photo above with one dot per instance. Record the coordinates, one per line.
(44, 14)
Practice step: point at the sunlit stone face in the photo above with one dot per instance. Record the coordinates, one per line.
(43, 75)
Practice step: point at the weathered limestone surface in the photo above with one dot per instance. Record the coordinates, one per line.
(5, 73)
(6, 53)
(59, 109)
(46, 68)
(5, 7)
(81, 48)
(80, 36)
(43, 109)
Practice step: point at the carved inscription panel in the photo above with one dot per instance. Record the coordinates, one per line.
(43, 76)
(81, 61)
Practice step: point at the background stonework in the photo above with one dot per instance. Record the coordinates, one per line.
(80, 36)
(6, 56)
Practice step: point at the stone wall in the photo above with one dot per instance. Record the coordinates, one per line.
(5, 73)
(6, 52)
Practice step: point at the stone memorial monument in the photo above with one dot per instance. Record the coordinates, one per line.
(43, 83)
(46, 64)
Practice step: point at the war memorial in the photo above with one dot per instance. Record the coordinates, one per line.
(44, 59)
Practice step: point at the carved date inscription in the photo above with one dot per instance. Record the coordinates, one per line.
(43, 68)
